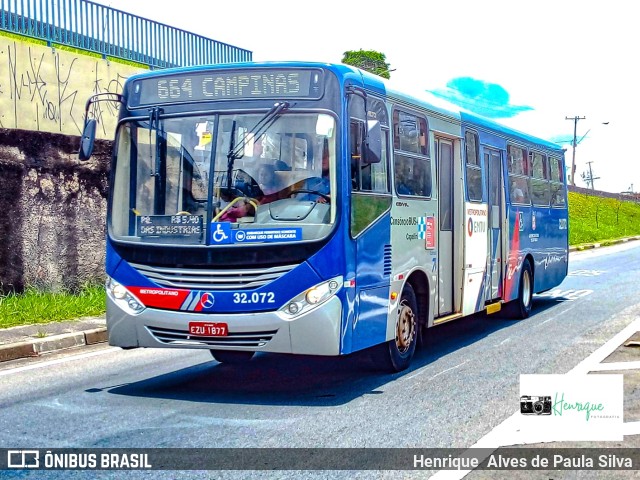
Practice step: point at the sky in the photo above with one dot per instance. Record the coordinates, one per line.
(526, 64)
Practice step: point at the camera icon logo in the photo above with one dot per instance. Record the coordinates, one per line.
(535, 405)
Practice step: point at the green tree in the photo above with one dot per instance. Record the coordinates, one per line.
(369, 60)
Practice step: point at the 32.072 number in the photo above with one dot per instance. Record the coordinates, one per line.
(265, 297)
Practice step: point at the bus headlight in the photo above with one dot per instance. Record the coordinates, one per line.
(310, 299)
(124, 298)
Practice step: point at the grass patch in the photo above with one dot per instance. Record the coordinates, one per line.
(36, 306)
(22, 38)
(597, 219)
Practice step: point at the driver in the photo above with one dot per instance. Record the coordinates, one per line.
(318, 184)
(268, 183)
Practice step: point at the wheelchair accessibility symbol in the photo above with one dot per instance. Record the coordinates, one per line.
(220, 233)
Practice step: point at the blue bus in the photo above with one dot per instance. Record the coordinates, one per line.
(312, 208)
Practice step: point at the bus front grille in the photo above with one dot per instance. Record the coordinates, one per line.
(212, 279)
(233, 339)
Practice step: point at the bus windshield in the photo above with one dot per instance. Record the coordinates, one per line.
(175, 175)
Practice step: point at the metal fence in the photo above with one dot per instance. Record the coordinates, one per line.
(97, 28)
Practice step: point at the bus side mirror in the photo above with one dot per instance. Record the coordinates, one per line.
(87, 140)
(373, 142)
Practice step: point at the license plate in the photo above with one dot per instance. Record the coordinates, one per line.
(208, 329)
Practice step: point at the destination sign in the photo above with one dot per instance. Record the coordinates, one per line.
(227, 85)
(169, 225)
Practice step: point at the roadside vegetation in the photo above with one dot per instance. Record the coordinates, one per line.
(35, 306)
(596, 219)
(591, 219)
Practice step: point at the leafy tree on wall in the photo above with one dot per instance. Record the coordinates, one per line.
(369, 60)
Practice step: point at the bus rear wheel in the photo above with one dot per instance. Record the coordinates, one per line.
(227, 356)
(520, 308)
(396, 354)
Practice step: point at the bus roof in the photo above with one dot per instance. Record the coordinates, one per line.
(402, 93)
(501, 130)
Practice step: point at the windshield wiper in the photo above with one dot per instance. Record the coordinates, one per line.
(237, 151)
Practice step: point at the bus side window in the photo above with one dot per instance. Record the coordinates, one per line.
(518, 175)
(356, 130)
(371, 177)
(539, 179)
(474, 168)
(556, 182)
(412, 165)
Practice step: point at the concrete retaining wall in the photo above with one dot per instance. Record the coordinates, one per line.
(52, 207)
(52, 210)
(45, 90)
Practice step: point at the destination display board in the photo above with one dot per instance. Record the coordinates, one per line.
(227, 85)
(169, 226)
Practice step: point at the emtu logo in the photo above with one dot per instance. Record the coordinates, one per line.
(478, 226)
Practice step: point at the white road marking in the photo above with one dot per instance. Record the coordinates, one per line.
(437, 374)
(57, 361)
(506, 433)
(607, 349)
(612, 366)
(558, 315)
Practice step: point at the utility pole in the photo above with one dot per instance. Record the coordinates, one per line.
(575, 143)
(590, 178)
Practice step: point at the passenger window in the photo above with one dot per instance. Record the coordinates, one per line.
(556, 185)
(370, 182)
(474, 168)
(518, 170)
(410, 133)
(540, 192)
(412, 165)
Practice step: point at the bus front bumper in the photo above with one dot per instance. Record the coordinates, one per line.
(316, 332)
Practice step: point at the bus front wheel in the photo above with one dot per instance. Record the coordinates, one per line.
(227, 356)
(395, 355)
(520, 308)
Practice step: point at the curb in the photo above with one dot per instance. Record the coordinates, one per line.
(39, 346)
(588, 246)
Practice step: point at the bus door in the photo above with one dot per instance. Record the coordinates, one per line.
(444, 152)
(495, 260)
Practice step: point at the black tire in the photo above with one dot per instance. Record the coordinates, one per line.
(520, 308)
(395, 355)
(227, 356)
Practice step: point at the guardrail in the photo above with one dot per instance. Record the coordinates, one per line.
(110, 32)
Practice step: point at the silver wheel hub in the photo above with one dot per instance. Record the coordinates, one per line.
(526, 289)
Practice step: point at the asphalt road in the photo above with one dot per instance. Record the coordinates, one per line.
(460, 387)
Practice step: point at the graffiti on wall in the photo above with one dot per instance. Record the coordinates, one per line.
(45, 89)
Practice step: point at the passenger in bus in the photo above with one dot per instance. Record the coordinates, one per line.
(403, 188)
(258, 149)
(242, 208)
(418, 181)
(517, 195)
(404, 182)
